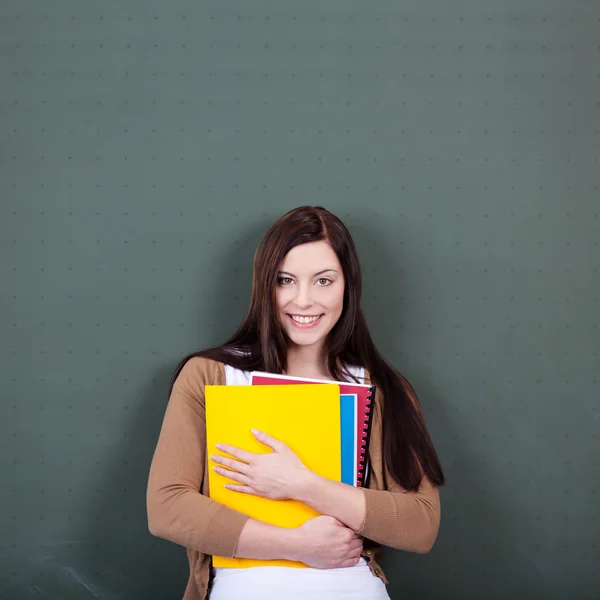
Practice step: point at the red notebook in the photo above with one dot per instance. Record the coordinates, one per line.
(365, 399)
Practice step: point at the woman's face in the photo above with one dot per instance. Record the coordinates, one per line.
(310, 292)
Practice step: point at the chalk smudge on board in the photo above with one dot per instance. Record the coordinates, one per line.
(75, 576)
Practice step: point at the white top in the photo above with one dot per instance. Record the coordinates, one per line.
(288, 583)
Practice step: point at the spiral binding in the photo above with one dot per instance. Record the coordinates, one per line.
(363, 464)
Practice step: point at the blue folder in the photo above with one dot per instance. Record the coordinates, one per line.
(348, 408)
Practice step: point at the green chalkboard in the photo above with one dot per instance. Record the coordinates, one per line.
(146, 147)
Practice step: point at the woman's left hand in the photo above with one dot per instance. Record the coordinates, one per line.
(276, 475)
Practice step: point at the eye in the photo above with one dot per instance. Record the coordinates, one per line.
(324, 279)
(281, 280)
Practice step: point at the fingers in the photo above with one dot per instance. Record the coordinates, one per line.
(268, 440)
(351, 536)
(244, 489)
(233, 475)
(238, 453)
(350, 562)
(236, 465)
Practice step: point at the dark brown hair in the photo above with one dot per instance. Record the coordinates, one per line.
(407, 447)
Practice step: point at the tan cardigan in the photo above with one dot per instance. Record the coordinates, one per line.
(180, 510)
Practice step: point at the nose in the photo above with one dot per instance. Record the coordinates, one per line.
(304, 297)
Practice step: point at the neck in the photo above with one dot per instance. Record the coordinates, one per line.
(307, 361)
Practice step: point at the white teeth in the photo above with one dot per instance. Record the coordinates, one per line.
(304, 320)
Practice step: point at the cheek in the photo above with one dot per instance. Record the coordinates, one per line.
(337, 301)
(281, 299)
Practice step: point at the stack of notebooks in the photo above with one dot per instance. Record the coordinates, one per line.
(326, 423)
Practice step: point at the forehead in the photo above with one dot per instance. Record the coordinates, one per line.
(310, 257)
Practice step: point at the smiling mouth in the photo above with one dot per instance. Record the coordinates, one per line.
(304, 321)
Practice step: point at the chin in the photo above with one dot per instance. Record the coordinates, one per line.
(304, 342)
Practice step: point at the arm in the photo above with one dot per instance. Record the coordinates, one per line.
(403, 519)
(389, 515)
(344, 502)
(393, 517)
(266, 542)
(177, 511)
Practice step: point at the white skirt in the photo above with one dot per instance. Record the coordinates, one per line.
(284, 583)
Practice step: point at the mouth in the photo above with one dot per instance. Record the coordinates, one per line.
(305, 322)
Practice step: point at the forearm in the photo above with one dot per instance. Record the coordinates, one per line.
(399, 519)
(262, 541)
(344, 502)
(403, 520)
(195, 521)
(186, 517)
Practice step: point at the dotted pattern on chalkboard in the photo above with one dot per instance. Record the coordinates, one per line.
(146, 148)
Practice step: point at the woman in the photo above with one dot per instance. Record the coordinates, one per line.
(305, 320)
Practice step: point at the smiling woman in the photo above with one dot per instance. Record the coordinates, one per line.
(305, 320)
(309, 304)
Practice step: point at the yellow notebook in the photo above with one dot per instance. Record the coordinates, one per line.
(305, 417)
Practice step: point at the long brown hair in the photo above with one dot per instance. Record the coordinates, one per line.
(260, 344)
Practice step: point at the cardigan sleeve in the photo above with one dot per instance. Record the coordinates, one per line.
(396, 517)
(402, 519)
(176, 509)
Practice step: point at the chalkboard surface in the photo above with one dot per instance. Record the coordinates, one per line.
(147, 146)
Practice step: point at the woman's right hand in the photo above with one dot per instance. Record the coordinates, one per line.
(325, 543)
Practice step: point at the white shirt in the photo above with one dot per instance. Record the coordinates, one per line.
(288, 583)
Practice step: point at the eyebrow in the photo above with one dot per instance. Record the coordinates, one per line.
(319, 273)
